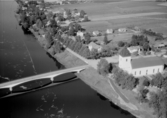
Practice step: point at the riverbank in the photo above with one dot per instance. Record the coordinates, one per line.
(90, 76)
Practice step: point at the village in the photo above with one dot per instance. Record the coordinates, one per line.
(134, 58)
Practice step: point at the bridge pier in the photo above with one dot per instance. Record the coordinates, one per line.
(51, 78)
(11, 89)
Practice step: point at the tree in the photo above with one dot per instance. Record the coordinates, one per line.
(77, 27)
(82, 13)
(53, 23)
(103, 67)
(146, 46)
(39, 23)
(81, 50)
(124, 80)
(68, 12)
(131, 82)
(105, 39)
(32, 20)
(121, 43)
(49, 15)
(71, 44)
(23, 16)
(158, 101)
(93, 53)
(77, 46)
(71, 32)
(142, 96)
(158, 80)
(86, 52)
(146, 82)
(87, 38)
(49, 39)
(25, 25)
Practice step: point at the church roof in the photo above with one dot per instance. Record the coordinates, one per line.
(144, 62)
(124, 52)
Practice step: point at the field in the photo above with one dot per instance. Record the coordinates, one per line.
(109, 14)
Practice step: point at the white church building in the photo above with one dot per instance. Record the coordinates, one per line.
(140, 66)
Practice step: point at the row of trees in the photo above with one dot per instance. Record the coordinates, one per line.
(124, 80)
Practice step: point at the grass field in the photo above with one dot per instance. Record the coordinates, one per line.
(93, 9)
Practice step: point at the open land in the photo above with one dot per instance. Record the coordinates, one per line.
(123, 14)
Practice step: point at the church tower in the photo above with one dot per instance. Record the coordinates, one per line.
(125, 59)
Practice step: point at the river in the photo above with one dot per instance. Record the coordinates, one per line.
(22, 56)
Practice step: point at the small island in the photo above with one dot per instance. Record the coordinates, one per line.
(130, 72)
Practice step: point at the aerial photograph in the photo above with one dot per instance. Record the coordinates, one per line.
(83, 58)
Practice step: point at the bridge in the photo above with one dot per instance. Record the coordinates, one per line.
(50, 75)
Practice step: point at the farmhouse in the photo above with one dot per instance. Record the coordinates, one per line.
(109, 31)
(96, 33)
(122, 30)
(134, 49)
(141, 66)
(81, 34)
(93, 45)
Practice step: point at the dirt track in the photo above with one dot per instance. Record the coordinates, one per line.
(125, 16)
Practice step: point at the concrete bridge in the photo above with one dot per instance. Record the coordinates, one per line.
(50, 75)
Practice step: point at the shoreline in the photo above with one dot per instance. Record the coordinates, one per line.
(81, 75)
(90, 77)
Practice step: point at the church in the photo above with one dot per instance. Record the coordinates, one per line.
(141, 65)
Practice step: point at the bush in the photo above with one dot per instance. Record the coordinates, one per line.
(146, 82)
(142, 96)
(121, 43)
(124, 80)
(103, 67)
(158, 80)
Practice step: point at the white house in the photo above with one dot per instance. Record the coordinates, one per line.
(140, 66)
(81, 34)
(122, 30)
(134, 49)
(96, 33)
(93, 45)
(109, 31)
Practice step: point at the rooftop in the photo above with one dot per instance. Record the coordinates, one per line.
(148, 61)
(124, 52)
(94, 45)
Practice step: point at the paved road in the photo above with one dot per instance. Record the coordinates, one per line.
(40, 76)
(125, 16)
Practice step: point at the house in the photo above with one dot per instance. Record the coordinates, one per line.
(134, 49)
(122, 30)
(109, 31)
(96, 33)
(140, 66)
(81, 34)
(160, 44)
(93, 45)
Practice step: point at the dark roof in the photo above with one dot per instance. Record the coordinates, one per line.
(124, 52)
(146, 62)
(164, 60)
